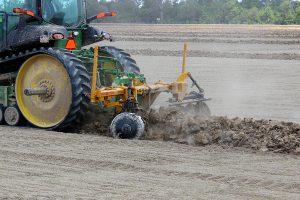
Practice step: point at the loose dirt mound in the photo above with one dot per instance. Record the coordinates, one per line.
(264, 135)
(96, 123)
(172, 125)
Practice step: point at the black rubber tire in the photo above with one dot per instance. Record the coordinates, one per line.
(81, 86)
(80, 80)
(127, 126)
(2, 108)
(126, 61)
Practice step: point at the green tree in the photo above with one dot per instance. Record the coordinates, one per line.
(151, 10)
(170, 10)
(267, 16)
(248, 4)
(286, 12)
(252, 16)
(230, 12)
(189, 12)
(297, 14)
(199, 11)
(127, 11)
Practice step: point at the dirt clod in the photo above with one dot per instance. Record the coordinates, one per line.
(169, 124)
(263, 135)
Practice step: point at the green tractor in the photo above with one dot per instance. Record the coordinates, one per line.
(41, 45)
(48, 78)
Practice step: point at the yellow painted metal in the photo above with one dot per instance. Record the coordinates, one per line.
(149, 92)
(180, 83)
(184, 58)
(94, 80)
(182, 77)
(109, 92)
(37, 111)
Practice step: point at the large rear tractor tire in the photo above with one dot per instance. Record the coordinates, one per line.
(127, 63)
(65, 82)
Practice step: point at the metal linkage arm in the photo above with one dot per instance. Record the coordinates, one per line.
(195, 83)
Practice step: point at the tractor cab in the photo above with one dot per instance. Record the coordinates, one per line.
(69, 13)
(8, 19)
(38, 23)
(8, 6)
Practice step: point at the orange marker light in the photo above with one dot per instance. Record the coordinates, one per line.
(21, 11)
(17, 10)
(71, 45)
(107, 14)
(114, 14)
(29, 13)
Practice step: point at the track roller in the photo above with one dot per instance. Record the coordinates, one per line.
(12, 116)
(127, 126)
(1, 114)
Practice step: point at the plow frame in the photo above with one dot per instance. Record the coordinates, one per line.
(117, 96)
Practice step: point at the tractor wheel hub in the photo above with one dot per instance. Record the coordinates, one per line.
(50, 91)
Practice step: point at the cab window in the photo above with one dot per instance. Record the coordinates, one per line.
(9, 5)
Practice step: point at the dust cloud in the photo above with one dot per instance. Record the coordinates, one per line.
(170, 124)
(264, 135)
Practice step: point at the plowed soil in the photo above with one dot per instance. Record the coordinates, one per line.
(36, 164)
(248, 71)
(252, 75)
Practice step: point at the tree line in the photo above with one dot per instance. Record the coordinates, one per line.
(200, 11)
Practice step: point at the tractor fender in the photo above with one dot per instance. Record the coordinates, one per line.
(33, 34)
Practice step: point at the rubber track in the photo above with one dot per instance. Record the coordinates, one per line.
(78, 74)
(125, 60)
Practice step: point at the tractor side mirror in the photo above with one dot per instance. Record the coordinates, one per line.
(26, 12)
(102, 15)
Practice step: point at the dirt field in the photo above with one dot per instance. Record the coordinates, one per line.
(248, 71)
(47, 165)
